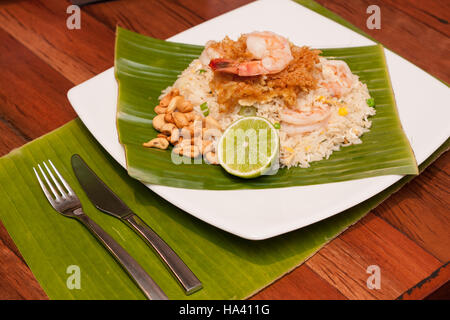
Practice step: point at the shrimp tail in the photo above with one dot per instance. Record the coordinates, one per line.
(224, 65)
(246, 68)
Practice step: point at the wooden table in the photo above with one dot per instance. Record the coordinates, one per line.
(407, 236)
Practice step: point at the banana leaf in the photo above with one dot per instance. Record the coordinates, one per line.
(229, 267)
(144, 66)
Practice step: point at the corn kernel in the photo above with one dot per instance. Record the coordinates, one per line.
(289, 149)
(342, 111)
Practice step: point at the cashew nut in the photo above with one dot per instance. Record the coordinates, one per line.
(180, 119)
(185, 106)
(186, 133)
(158, 122)
(168, 97)
(211, 123)
(159, 143)
(159, 109)
(207, 146)
(188, 151)
(167, 128)
(175, 136)
(190, 116)
(160, 135)
(187, 142)
(211, 134)
(175, 103)
(168, 118)
(211, 157)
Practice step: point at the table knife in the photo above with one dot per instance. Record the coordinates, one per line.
(107, 201)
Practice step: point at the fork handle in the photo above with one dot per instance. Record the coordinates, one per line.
(180, 270)
(137, 273)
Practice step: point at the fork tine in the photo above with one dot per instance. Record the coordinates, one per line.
(63, 193)
(66, 185)
(44, 189)
(56, 194)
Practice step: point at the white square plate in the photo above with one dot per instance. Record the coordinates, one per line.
(259, 214)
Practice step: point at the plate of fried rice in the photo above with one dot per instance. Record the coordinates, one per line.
(258, 61)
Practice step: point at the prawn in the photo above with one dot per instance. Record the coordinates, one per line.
(339, 78)
(272, 54)
(296, 122)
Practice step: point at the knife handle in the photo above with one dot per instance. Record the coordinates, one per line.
(137, 273)
(180, 270)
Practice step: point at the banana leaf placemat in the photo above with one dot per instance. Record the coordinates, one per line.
(230, 267)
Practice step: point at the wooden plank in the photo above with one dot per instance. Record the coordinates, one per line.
(154, 18)
(32, 94)
(41, 27)
(438, 279)
(160, 19)
(302, 284)
(421, 209)
(17, 281)
(434, 14)
(406, 35)
(443, 293)
(344, 261)
(10, 138)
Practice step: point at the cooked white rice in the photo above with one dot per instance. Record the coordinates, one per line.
(295, 150)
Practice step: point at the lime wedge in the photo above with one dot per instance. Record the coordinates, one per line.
(249, 147)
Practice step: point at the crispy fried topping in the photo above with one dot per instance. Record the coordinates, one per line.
(298, 76)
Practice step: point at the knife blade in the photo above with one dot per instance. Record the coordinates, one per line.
(107, 201)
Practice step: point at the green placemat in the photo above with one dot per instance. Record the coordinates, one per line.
(229, 267)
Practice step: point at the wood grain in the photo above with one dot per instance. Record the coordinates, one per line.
(440, 278)
(421, 210)
(161, 19)
(32, 94)
(17, 281)
(435, 14)
(41, 27)
(403, 33)
(301, 284)
(344, 261)
(11, 139)
(407, 236)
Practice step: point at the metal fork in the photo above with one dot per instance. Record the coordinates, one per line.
(66, 202)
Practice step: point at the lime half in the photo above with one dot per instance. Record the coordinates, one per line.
(249, 147)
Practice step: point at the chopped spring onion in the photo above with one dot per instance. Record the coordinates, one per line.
(205, 109)
(201, 71)
(277, 125)
(371, 102)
